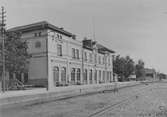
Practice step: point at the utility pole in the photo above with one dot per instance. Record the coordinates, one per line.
(2, 27)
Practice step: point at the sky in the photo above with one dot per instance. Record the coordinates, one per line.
(137, 28)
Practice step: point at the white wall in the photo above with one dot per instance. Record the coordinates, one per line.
(38, 61)
(38, 68)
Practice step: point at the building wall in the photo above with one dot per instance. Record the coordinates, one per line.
(100, 63)
(66, 60)
(38, 68)
(54, 69)
(37, 48)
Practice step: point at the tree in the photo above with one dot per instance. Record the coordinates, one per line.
(139, 69)
(123, 67)
(129, 66)
(16, 55)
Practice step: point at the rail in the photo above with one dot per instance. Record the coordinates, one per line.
(112, 106)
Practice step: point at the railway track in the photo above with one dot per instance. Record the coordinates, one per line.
(111, 106)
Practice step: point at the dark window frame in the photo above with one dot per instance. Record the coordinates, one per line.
(59, 50)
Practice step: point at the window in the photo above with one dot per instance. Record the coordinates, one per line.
(99, 60)
(110, 77)
(90, 77)
(100, 76)
(77, 53)
(39, 34)
(73, 76)
(95, 58)
(35, 34)
(90, 57)
(85, 56)
(53, 37)
(103, 60)
(73, 53)
(85, 77)
(60, 37)
(108, 61)
(95, 76)
(56, 75)
(63, 75)
(103, 76)
(78, 75)
(37, 44)
(59, 50)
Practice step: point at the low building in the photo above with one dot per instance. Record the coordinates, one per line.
(132, 77)
(162, 76)
(150, 74)
(59, 59)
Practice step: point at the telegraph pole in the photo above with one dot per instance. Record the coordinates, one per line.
(2, 26)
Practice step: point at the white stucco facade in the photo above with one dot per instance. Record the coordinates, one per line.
(59, 59)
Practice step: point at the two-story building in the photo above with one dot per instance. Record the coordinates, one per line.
(59, 59)
(97, 63)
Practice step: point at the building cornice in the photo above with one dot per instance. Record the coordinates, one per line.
(40, 26)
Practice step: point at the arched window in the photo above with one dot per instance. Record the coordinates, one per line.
(108, 77)
(90, 77)
(111, 77)
(103, 76)
(63, 75)
(56, 75)
(73, 76)
(85, 77)
(78, 75)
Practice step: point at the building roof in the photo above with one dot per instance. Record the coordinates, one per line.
(103, 48)
(88, 44)
(149, 71)
(40, 25)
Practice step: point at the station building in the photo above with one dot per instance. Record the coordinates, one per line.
(58, 58)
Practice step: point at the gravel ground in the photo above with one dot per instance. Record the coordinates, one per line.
(151, 103)
(152, 100)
